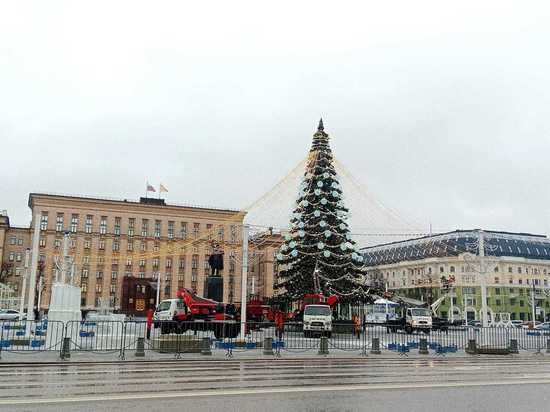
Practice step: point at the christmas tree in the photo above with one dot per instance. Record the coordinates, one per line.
(318, 254)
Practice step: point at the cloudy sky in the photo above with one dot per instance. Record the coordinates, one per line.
(441, 109)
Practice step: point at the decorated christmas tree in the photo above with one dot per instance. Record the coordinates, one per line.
(318, 254)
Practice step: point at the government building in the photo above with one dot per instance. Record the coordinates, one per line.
(120, 244)
(514, 265)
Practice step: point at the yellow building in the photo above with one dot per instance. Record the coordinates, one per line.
(113, 239)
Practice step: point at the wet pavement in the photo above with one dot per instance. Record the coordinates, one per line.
(324, 384)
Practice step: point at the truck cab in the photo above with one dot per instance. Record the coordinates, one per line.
(170, 309)
(317, 320)
(418, 319)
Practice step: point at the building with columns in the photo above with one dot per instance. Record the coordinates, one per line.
(111, 240)
(515, 265)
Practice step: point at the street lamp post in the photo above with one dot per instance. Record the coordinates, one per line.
(482, 283)
(24, 287)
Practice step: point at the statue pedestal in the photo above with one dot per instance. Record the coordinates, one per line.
(64, 307)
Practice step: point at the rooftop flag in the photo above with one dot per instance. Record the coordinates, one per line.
(150, 188)
(162, 188)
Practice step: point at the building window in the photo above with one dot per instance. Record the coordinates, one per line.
(194, 262)
(59, 223)
(496, 280)
(497, 302)
(143, 246)
(113, 288)
(42, 241)
(13, 240)
(18, 257)
(452, 269)
(87, 243)
(233, 231)
(209, 231)
(116, 246)
(101, 245)
(98, 288)
(157, 228)
(103, 225)
(85, 272)
(131, 226)
(519, 270)
(114, 274)
(196, 229)
(170, 230)
(130, 245)
(86, 259)
(84, 287)
(441, 269)
(129, 262)
(44, 221)
(72, 243)
(156, 247)
(220, 234)
(183, 230)
(142, 263)
(99, 274)
(497, 291)
(168, 262)
(57, 243)
(496, 269)
(11, 256)
(521, 303)
(144, 227)
(117, 226)
(155, 262)
(182, 262)
(89, 223)
(74, 223)
(520, 281)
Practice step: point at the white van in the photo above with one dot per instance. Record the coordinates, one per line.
(317, 320)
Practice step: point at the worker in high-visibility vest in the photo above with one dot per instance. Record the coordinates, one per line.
(356, 325)
(279, 323)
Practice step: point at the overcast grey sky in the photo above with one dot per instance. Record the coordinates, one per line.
(442, 109)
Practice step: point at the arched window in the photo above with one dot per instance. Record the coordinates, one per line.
(452, 269)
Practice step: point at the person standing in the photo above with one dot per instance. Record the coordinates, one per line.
(149, 322)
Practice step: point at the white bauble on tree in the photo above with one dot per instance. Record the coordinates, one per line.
(322, 223)
(326, 253)
(317, 213)
(328, 233)
(319, 184)
(320, 245)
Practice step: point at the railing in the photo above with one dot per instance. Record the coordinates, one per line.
(179, 338)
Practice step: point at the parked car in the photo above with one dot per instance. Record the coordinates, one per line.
(474, 323)
(517, 323)
(543, 326)
(529, 325)
(11, 314)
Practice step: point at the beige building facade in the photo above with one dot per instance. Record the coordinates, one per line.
(113, 239)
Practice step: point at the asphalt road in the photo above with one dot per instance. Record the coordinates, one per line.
(314, 384)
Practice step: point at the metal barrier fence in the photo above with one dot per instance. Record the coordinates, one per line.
(122, 337)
